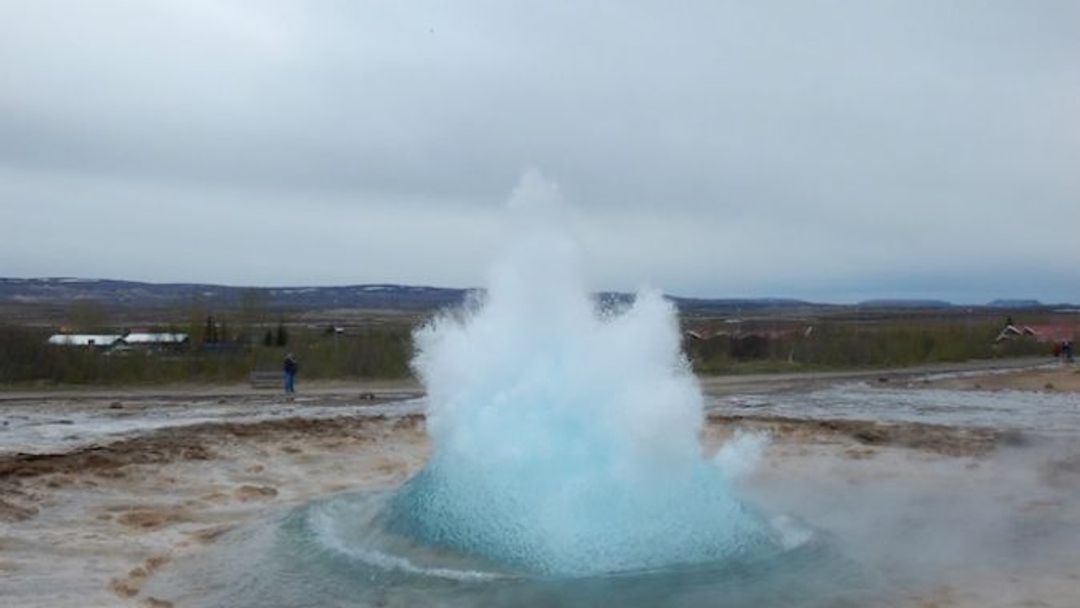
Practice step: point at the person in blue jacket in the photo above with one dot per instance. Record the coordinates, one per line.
(290, 373)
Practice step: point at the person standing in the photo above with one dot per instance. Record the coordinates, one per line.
(291, 368)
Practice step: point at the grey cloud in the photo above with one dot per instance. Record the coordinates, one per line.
(844, 144)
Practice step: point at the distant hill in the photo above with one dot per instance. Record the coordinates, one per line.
(387, 297)
(740, 304)
(904, 303)
(157, 295)
(135, 294)
(1016, 304)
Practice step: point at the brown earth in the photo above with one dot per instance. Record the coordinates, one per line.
(951, 441)
(90, 526)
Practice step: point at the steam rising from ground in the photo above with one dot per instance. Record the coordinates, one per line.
(567, 438)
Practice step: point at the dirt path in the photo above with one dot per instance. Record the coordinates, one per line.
(713, 384)
(181, 392)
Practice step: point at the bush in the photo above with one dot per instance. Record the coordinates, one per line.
(841, 344)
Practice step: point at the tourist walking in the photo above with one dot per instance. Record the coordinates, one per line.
(291, 368)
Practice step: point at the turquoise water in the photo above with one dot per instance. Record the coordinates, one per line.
(338, 553)
(534, 522)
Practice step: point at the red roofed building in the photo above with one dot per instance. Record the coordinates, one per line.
(1054, 332)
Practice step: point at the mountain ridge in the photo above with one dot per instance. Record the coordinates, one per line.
(375, 296)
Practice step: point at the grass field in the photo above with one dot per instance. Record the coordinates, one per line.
(226, 347)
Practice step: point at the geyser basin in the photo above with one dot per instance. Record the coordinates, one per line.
(339, 552)
(566, 468)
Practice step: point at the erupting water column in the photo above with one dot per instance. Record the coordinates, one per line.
(566, 439)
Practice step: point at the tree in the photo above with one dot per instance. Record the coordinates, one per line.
(210, 333)
(268, 339)
(282, 335)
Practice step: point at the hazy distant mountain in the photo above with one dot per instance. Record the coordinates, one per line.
(1016, 304)
(134, 294)
(157, 295)
(904, 303)
(739, 304)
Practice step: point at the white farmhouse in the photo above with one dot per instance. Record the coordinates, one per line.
(98, 341)
(121, 342)
(154, 339)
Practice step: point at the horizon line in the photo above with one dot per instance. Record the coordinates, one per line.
(876, 300)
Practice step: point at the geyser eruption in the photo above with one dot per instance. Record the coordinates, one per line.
(566, 438)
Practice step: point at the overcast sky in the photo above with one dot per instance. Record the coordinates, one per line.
(826, 150)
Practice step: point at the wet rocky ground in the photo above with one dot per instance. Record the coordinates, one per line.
(975, 508)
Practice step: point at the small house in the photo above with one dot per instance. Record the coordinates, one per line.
(155, 341)
(94, 341)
